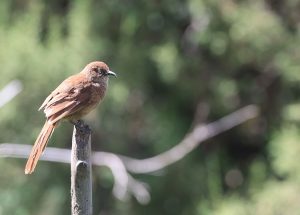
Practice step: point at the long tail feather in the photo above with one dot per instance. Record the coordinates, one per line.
(39, 146)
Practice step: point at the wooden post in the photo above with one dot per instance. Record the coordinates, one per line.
(81, 174)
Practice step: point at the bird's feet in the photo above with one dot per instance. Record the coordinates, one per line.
(79, 124)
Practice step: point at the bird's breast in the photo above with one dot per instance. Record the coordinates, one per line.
(97, 93)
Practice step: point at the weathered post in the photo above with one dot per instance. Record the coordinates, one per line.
(81, 173)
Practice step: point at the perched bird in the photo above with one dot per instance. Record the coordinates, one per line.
(71, 100)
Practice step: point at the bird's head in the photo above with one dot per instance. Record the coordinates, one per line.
(98, 70)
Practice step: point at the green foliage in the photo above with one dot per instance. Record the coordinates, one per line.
(179, 63)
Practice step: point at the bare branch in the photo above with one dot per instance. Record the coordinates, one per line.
(12, 89)
(199, 134)
(123, 182)
(119, 165)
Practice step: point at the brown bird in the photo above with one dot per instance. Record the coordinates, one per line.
(71, 100)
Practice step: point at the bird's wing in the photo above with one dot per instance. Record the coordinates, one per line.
(68, 98)
(65, 86)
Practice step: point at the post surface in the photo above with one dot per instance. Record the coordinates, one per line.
(81, 174)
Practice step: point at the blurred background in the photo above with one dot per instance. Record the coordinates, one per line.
(180, 63)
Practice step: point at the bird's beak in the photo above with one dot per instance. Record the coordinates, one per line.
(112, 73)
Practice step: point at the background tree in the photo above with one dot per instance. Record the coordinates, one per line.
(180, 63)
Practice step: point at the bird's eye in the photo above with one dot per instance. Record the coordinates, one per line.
(102, 71)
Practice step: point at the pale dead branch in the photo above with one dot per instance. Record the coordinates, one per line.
(199, 134)
(12, 89)
(120, 165)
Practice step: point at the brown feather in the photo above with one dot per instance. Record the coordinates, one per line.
(61, 113)
(39, 147)
(63, 107)
(72, 99)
